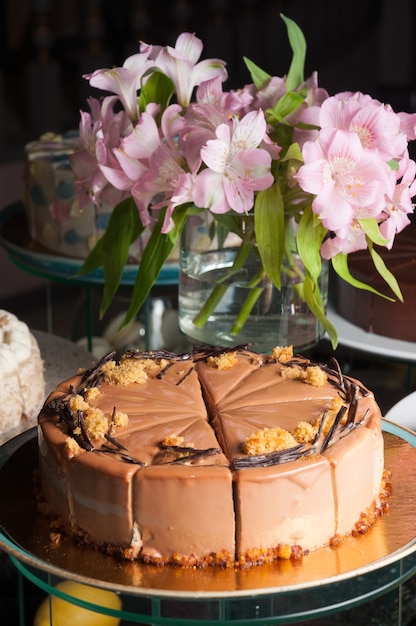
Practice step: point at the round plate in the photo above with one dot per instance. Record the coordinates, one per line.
(14, 237)
(25, 534)
(404, 412)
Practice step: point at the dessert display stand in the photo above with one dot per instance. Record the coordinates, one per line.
(364, 576)
(26, 255)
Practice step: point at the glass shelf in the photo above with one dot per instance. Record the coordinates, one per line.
(171, 596)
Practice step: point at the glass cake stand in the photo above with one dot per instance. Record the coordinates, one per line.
(327, 582)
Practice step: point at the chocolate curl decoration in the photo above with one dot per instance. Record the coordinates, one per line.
(208, 350)
(93, 376)
(184, 454)
(158, 354)
(88, 443)
(331, 433)
(109, 436)
(271, 458)
(121, 456)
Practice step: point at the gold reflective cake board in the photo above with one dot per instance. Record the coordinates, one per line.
(25, 535)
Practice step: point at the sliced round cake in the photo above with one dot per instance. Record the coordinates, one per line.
(221, 457)
(22, 388)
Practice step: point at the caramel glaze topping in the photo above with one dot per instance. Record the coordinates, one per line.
(346, 419)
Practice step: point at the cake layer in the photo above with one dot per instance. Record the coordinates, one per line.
(289, 505)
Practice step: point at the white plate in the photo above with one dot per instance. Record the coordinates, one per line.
(404, 412)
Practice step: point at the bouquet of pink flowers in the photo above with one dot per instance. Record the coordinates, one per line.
(336, 169)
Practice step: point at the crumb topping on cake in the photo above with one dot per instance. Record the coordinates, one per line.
(223, 361)
(125, 373)
(315, 376)
(176, 440)
(72, 446)
(268, 440)
(87, 426)
(331, 413)
(282, 354)
(91, 394)
(265, 447)
(305, 432)
(132, 370)
(311, 375)
(94, 421)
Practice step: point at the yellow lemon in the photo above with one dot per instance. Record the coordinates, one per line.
(67, 614)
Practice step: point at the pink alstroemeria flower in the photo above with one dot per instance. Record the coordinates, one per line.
(308, 112)
(202, 118)
(399, 206)
(123, 81)
(181, 65)
(377, 125)
(183, 194)
(268, 96)
(236, 166)
(347, 180)
(352, 240)
(143, 139)
(100, 132)
(161, 181)
(408, 124)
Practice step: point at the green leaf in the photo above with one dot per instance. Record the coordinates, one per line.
(259, 77)
(297, 41)
(287, 105)
(269, 220)
(340, 265)
(295, 76)
(309, 239)
(230, 223)
(112, 250)
(293, 152)
(154, 256)
(312, 297)
(372, 230)
(394, 164)
(157, 88)
(94, 260)
(385, 273)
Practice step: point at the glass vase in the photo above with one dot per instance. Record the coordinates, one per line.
(226, 300)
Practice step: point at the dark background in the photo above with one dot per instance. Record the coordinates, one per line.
(46, 46)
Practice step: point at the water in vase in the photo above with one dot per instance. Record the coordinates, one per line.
(277, 317)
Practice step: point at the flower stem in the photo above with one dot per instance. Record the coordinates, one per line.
(220, 289)
(246, 309)
(211, 303)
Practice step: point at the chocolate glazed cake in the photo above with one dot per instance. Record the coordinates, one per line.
(376, 314)
(220, 457)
